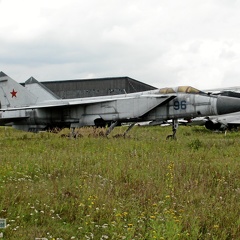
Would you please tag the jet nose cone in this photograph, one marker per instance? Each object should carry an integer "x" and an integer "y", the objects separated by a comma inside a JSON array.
[{"x": 227, "y": 105}]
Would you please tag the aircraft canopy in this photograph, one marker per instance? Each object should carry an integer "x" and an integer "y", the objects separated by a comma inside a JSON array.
[
  {"x": 166, "y": 90},
  {"x": 181, "y": 89}
]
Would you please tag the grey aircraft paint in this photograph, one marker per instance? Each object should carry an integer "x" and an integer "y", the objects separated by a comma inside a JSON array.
[{"x": 22, "y": 107}]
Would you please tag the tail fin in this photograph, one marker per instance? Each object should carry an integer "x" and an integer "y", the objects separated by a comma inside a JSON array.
[
  {"x": 13, "y": 94},
  {"x": 38, "y": 89}
]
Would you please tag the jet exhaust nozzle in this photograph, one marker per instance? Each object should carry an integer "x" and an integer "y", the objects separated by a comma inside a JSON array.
[{"x": 212, "y": 125}]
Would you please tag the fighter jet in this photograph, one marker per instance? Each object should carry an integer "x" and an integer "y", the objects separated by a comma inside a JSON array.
[
  {"x": 223, "y": 122},
  {"x": 22, "y": 109}
]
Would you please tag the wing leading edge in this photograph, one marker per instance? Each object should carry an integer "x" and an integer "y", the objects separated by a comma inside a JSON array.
[{"x": 87, "y": 101}]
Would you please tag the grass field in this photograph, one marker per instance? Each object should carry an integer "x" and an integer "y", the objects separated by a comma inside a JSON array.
[{"x": 141, "y": 187}]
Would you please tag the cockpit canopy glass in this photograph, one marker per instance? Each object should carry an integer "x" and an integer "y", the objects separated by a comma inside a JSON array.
[
  {"x": 166, "y": 90},
  {"x": 188, "y": 89},
  {"x": 181, "y": 89}
]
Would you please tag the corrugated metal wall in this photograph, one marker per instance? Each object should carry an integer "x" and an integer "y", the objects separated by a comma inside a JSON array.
[{"x": 96, "y": 87}]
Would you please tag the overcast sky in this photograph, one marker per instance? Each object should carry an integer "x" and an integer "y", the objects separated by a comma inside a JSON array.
[{"x": 160, "y": 42}]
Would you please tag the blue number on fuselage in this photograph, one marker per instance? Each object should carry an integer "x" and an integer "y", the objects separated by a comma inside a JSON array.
[{"x": 179, "y": 105}]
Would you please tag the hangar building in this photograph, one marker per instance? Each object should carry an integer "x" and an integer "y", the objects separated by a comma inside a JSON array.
[{"x": 95, "y": 87}]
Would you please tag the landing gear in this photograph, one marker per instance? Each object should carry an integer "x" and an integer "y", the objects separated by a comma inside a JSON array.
[
  {"x": 114, "y": 124},
  {"x": 128, "y": 129},
  {"x": 174, "y": 130},
  {"x": 73, "y": 133}
]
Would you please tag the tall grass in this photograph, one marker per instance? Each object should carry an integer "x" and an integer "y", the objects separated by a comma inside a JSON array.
[{"x": 138, "y": 187}]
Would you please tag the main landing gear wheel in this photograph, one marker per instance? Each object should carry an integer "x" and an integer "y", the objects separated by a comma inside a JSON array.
[{"x": 172, "y": 136}]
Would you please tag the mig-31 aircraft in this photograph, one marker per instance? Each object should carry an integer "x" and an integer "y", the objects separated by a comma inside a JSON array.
[
  {"x": 223, "y": 122},
  {"x": 24, "y": 108}
]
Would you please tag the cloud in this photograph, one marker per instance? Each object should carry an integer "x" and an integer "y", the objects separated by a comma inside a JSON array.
[{"x": 159, "y": 42}]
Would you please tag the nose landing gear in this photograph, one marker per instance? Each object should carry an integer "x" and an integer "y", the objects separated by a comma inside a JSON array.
[{"x": 174, "y": 130}]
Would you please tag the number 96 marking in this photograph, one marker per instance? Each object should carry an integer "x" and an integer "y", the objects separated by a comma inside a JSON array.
[{"x": 179, "y": 105}]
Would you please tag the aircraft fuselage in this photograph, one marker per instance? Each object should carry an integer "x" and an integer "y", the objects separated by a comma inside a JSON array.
[{"x": 139, "y": 108}]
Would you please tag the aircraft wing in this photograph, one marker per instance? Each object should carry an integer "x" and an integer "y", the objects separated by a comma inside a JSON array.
[
  {"x": 55, "y": 104},
  {"x": 5, "y": 121},
  {"x": 85, "y": 101},
  {"x": 35, "y": 106},
  {"x": 236, "y": 122}
]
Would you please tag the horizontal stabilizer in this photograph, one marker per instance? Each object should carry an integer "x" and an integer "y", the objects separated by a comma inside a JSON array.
[
  {"x": 4, "y": 121},
  {"x": 236, "y": 122}
]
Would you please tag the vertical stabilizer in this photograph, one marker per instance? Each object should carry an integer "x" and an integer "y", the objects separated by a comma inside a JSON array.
[
  {"x": 38, "y": 89},
  {"x": 13, "y": 94}
]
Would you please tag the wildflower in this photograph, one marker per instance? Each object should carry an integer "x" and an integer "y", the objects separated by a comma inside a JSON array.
[
  {"x": 104, "y": 237},
  {"x": 105, "y": 225},
  {"x": 152, "y": 217}
]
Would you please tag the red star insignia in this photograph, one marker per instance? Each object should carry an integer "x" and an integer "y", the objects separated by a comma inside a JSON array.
[{"x": 14, "y": 93}]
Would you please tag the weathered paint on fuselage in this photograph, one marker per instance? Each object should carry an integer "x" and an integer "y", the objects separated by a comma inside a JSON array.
[
  {"x": 24, "y": 110},
  {"x": 138, "y": 108},
  {"x": 184, "y": 106}
]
